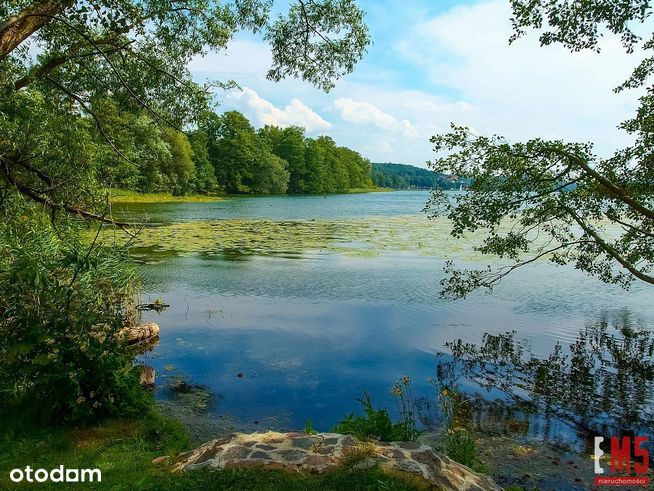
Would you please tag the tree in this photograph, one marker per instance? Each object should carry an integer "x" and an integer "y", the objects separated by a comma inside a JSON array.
[
  {"x": 136, "y": 53},
  {"x": 105, "y": 101},
  {"x": 204, "y": 180},
  {"x": 179, "y": 169},
  {"x": 231, "y": 149},
  {"x": 243, "y": 161},
  {"x": 289, "y": 145},
  {"x": 325, "y": 172},
  {"x": 552, "y": 199},
  {"x": 270, "y": 174},
  {"x": 359, "y": 170}
]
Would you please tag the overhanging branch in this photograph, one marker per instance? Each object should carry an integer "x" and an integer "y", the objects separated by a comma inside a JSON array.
[
  {"x": 610, "y": 250},
  {"x": 32, "y": 193}
]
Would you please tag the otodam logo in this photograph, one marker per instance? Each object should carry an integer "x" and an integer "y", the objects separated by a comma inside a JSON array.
[
  {"x": 58, "y": 474},
  {"x": 624, "y": 451}
]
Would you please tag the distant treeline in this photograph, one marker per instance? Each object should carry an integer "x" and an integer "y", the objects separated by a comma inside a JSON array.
[
  {"x": 402, "y": 176},
  {"x": 227, "y": 154}
]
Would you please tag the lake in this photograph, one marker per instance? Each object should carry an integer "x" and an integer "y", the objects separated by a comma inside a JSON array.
[{"x": 285, "y": 309}]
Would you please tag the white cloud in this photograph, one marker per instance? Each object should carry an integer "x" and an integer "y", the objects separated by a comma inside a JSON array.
[
  {"x": 523, "y": 90},
  {"x": 428, "y": 114},
  {"x": 381, "y": 148},
  {"x": 360, "y": 112},
  {"x": 453, "y": 66},
  {"x": 264, "y": 112}
]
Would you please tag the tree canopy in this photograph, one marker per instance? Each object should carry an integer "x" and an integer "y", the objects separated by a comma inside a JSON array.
[
  {"x": 554, "y": 199},
  {"x": 95, "y": 94},
  {"x": 403, "y": 176}
]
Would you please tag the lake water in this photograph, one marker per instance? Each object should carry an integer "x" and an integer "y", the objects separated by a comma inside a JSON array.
[{"x": 285, "y": 309}]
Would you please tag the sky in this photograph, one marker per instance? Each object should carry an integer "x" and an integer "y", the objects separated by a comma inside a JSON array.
[{"x": 433, "y": 63}]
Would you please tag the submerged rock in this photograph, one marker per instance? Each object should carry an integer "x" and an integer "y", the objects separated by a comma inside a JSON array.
[
  {"x": 300, "y": 452},
  {"x": 139, "y": 334}
]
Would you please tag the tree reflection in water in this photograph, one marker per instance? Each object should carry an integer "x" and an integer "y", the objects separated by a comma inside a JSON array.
[{"x": 603, "y": 384}]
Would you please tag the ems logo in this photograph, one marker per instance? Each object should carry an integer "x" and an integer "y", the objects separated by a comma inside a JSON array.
[{"x": 624, "y": 452}]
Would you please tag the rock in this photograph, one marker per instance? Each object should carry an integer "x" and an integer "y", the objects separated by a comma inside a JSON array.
[
  {"x": 263, "y": 446},
  {"x": 148, "y": 375},
  {"x": 291, "y": 455},
  {"x": 306, "y": 442},
  {"x": 160, "y": 460},
  {"x": 260, "y": 454},
  {"x": 139, "y": 334},
  {"x": 300, "y": 452}
]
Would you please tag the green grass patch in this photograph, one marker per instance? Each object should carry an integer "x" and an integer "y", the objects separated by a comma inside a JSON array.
[
  {"x": 376, "y": 424},
  {"x": 369, "y": 190},
  {"x": 127, "y": 196},
  {"x": 124, "y": 450}
]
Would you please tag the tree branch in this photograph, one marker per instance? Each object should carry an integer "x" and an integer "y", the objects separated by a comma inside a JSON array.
[
  {"x": 631, "y": 226},
  {"x": 504, "y": 271},
  {"x": 84, "y": 106},
  {"x": 113, "y": 67},
  {"x": 19, "y": 27},
  {"x": 45, "y": 68},
  {"x": 51, "y": 205},
  {"x": 608, "y": 249},
  {"x": 610, "y": 186}
]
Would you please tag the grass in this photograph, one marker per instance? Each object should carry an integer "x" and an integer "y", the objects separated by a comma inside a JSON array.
[
  {"x": 369, "y": 190},
  {"x": 124, "y": 450},
  {"x": 459, "y": 440},
  {"x": 376, "y": 423},
  {"x": 127, "y": 196}
]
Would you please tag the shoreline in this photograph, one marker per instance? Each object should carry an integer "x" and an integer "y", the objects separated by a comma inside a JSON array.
[{"x": 133, "y": 197}]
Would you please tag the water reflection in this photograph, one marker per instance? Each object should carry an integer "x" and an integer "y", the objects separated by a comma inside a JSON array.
[
  {"x": 602, "y": 384},
  {"x": 314, "y": 300}
]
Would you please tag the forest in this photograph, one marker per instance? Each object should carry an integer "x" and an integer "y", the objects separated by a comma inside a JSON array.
[
  {"x": 403, "y": 176},
  {"x": 227, "y": 154}
]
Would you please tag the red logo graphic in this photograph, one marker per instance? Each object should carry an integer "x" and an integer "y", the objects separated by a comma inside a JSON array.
[{"x": 625, "y": 451}]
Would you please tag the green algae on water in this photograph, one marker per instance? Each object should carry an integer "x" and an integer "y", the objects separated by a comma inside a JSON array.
[{"x": 236, "y": 239}]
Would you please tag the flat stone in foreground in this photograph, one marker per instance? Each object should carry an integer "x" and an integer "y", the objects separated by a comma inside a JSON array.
[{"x": 299, "y": 452}]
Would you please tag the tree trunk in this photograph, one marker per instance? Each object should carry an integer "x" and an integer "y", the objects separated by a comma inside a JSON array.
[{"x": 19, "y": 27}]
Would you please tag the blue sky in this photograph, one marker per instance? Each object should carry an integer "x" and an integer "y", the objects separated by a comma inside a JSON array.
[{"x": 433, "y": 63}]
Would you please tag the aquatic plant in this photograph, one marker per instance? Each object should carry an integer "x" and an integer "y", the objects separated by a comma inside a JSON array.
[
  {"x": 403, "y": 395},
  {"x": 195, "y": 398},
  {"x": 458, "y": 440},
  {"x": 309, "y": 429},
  {"x": 240, "y": 238},
  {"x": 377, "y": 424}
]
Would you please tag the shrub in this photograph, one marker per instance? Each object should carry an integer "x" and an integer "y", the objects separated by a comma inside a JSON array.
[
  {"x": 62, "y": 303},
  {"x": 377, "y": 424}
]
